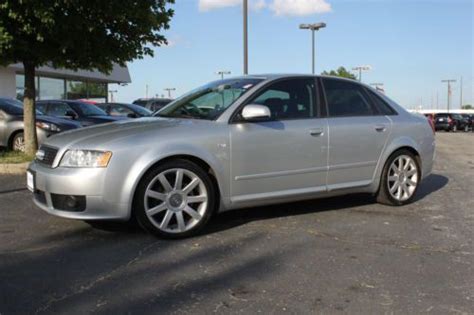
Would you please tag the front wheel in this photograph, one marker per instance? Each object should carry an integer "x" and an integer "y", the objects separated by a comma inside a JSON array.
[
  {"x": 400, "y": 179},
  {"x": 175, "y": 199},
  {"x": 18, "y": 142}
]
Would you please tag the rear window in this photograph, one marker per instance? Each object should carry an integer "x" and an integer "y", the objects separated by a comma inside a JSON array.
[{"x": 380, "y": 104}]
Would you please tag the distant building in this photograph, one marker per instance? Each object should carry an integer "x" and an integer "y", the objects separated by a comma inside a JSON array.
[{"x": 54, "y": 83}]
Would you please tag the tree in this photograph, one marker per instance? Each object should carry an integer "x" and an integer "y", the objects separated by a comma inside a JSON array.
[
  {"x": 76, "y": 34},
  {"x": 468, "y": 106},
  {"x": 340, "y": 72}
]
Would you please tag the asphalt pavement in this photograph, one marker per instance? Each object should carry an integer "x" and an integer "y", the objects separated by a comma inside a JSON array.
[{"x": 337, "y": 255}]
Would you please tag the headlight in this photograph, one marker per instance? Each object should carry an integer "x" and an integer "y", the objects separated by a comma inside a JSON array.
[
  {"x": 85, "y": 158},
  {"x": 48, "y": 126}
]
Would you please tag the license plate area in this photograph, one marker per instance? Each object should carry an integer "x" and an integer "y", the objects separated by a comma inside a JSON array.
[{"x": 30, "y": 181}]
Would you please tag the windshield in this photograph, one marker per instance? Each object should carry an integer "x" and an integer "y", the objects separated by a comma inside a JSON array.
[
  {"x": 87, "y": 109},
  {"x": 209, "y": 101},
  {"x": 141, "y": 110}
]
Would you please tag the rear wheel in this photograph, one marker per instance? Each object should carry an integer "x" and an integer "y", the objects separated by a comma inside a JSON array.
[
  {"x": 175, "y": 199},
  {"x": 400, "y": 179}
]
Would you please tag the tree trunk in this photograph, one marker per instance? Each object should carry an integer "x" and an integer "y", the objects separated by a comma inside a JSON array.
[{"x": 29, "y": 110}]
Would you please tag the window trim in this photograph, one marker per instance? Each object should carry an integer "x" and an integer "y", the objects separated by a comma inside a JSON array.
[
  {"x": 374, "y": 110},
  {"x": 234, "y": 120}
]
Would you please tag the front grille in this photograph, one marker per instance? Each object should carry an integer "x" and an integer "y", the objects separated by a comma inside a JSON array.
[{"x": 49, "y": 155}]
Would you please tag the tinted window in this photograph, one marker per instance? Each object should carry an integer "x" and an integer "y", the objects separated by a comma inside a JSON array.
[
  {"x": 58, "y": 109},
  {"x": 288, "y": 99},
  {"x": 345, "y": 98},
  {"x": 118, "y": 110},
  {"x": 41, "y": 107},
  {"x": 382, "y": 107}
]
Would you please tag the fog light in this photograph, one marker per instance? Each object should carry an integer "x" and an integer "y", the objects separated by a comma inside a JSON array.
[{"x": 71, "y": 202}]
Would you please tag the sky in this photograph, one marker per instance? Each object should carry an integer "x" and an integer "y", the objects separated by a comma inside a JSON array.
[{"x": 411, "y": 46}]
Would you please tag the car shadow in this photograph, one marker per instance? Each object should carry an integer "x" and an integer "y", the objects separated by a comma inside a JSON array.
[{"x": 234, "y": 218}]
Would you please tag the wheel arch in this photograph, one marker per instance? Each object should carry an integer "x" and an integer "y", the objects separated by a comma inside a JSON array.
[{"x": 207, "y": 165}]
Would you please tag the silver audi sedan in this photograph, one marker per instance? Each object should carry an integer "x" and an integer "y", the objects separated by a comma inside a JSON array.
[{"x": 240, "y": 142}]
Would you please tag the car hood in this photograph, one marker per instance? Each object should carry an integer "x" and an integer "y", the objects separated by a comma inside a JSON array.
[
  {"x": 127, "y": 133},
  {"x": 60, "y": 122}
]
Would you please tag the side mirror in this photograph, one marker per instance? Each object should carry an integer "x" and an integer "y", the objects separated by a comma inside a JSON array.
[
  {"x": 71, "y": 114},
  {"x": 254, "y": 112}
]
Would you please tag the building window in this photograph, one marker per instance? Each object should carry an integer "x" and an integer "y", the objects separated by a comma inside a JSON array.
[
  {"x": 51, "y": 89},
  {"x": 20, "y": 86},
  {"x": 97, "y": 91},
  {"x": 76, "y": 90}
]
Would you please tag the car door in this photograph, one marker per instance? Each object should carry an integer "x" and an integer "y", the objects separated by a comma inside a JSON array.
[
  {"x": 286, "y": 155},
  {"x": 357, "y": 134}
]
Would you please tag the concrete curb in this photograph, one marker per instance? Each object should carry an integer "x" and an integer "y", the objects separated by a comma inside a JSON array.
[{"x": 14, "y": 168}]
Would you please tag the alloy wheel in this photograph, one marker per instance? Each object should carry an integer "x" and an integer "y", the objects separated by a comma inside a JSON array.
[
  {"x": 402, "y": 177},
  {"x": 19, "y": 143},
  {"x": 176, "y": 200}
]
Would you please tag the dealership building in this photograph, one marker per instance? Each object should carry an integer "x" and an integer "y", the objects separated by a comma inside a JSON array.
[{"x": 54, "y": 83}]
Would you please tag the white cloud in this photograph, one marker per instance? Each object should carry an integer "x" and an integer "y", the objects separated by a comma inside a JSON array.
[
  {"x": 258, "y": 5},
  {"x": 299, "y": 7},
  {"x": 207, "y": 5}
]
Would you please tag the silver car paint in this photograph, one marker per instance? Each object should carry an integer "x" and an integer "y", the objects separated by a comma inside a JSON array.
[{"x": 254, "y": 163}]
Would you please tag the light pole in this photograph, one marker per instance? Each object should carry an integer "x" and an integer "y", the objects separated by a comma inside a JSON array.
[
  {"x": 112, "y": 92},
  {"x": 312, "y": 27},
  {"x": 245, "y": 24},
  {"x": 169, "y": 91},
  {"x": 360, "y": 69},
  {"x": 222, "y": 73},
  {"x": 449, "y": 90}
]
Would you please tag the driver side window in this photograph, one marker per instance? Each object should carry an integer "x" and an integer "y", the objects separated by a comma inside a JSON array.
[{"x": 289, "y": 99}]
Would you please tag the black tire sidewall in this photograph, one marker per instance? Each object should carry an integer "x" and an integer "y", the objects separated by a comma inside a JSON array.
[
  {"x": 139, "y": 207},
  {"x": 384, "y": 178}
]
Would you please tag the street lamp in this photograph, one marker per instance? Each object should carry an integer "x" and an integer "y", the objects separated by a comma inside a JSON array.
[
  {"x": 222, "y": 73},
  {"x": 378, "y": 86},
  {"x": 360, "y": 69},
  {"x": 245, "y": 31},
  {"x": 313, "y": 27},
  {"x": 449, "y": 90},
  {"x": 169, "y": 91}
]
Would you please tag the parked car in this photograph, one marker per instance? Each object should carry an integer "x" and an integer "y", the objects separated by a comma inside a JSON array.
[
  {"x": 450, "y": 122},
  {"x": 11, "y": 125},
  {"x": 265, "y": 140},
  {"x": 125, "y": 110},
  {"x": 469, "y": 119},
  {"x": 84, "y": 113},
  {"x": 431, "y": 120},
  {"x": 153, "y": 104}
]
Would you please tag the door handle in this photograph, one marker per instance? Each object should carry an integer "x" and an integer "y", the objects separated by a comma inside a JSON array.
[
  {"x": 316, "y": 132},
  {"x": 380, "y": 128}
]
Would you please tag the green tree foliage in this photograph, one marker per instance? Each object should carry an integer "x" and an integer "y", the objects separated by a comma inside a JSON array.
[
  {"x": 468, "y": 106},
  {"x": 77, "y": 34},
  {"x": 340, "y": 72}
]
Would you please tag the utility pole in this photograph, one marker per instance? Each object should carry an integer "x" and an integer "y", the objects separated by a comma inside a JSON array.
[
  {"x": 112, "y": 92},
  {"x": 460, "y": 97},
  {"x": 146, "y": 91},
  {"x": 360, "y": 69},
  {"x": 245, "y": 22},
  {"x": 313, "y": 28},
  {"x": 222, "y": 73},
  {"x": 169, "y": 91},
  {"x": 449, "y": 90}
]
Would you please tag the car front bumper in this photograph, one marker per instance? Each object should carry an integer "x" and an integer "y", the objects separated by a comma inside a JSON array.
[{"x": 52, "y": 184}]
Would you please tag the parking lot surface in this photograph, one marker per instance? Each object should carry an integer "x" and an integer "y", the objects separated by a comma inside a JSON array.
[{"x": 338, "y": 255}]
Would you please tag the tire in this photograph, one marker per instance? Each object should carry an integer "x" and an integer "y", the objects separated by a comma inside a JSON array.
[
  {"x": 18, "y": 142},
  {"x": 162, "y": 202},
  {"x": 393, "y": 174}
]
